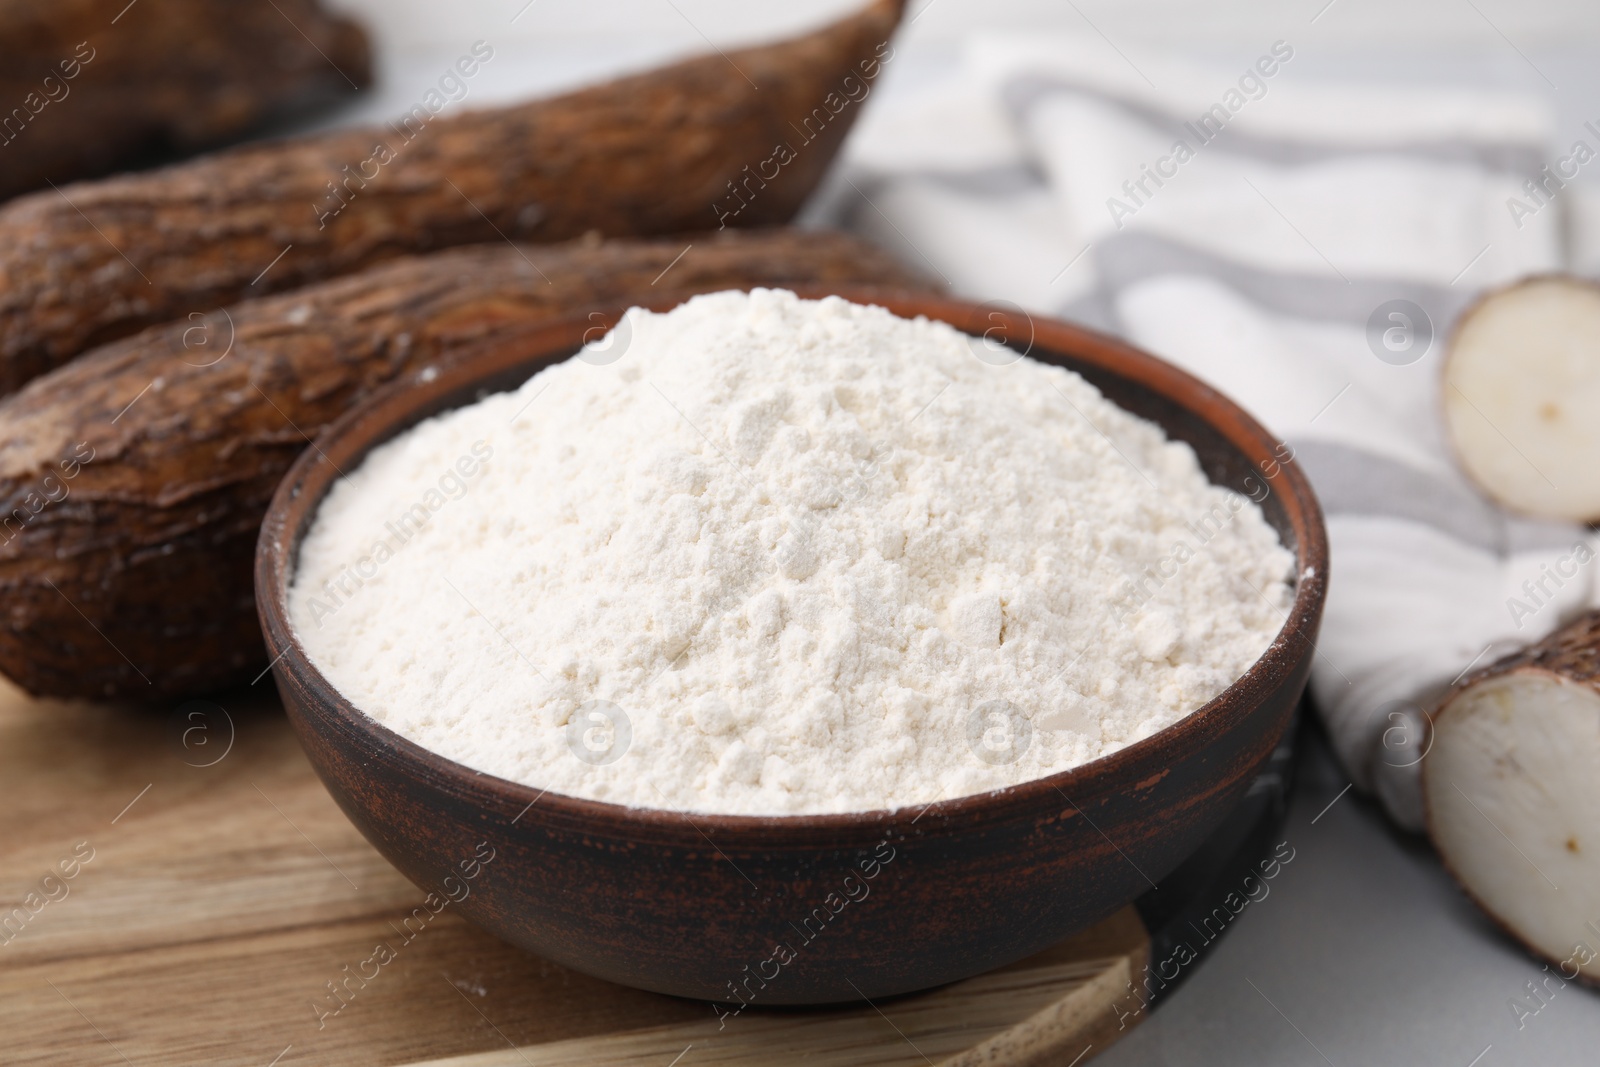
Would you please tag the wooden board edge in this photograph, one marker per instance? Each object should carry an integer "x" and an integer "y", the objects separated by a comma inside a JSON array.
[
  {"x": 1072, "y": 1029},
  {"x": 1082, "y": 1022}
]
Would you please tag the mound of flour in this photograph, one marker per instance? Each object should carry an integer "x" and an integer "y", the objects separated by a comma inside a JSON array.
[{"x": 768, "y": 555}]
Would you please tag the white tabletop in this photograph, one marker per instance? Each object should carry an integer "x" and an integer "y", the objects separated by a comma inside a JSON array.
[{"x": 1363, "y": 952}]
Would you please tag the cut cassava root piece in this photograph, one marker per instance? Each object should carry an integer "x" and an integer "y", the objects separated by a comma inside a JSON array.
[
  {"x": 90, "y": 85},
  {"x": 133, "y": 479},
  {"x": 1513, "y": 796},
  {"x": 649, "y": 154},
  {"x": 1521, "y": 393}
]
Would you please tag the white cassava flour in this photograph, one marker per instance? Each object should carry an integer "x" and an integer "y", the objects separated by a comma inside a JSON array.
[{"x": 766, "y": 555}]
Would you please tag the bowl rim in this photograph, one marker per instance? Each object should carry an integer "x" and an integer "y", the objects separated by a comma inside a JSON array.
[{"x": 393, "y": 408}]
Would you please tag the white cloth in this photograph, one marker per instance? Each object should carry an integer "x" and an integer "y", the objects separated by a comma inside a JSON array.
[{"x": 1256, "y": 264}]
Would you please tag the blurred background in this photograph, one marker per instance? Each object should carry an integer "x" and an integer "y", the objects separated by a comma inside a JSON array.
[{"x": 1544, "y": 49}]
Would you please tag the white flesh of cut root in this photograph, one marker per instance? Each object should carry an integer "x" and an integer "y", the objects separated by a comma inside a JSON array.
[
  {"x": 1512, "y": 784},
  {"x": 1522, "y": 396}
]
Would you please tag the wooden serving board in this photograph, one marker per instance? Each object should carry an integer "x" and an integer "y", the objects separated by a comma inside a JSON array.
[{"x": 215, "y": 890}]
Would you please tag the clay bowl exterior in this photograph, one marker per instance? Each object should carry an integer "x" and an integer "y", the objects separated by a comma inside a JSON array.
[{"x": 806, "y": 909}]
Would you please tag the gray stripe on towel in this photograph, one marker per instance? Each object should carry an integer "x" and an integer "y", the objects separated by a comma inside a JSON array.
[
  {"x": 1349, "y": 481},
  {"x": 1001, "y": 180},
  {"x": 1126, "y": 258},
  {"x": 1024, "y": 92}
]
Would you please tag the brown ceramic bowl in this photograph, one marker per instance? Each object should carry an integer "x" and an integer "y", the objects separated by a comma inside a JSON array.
[{"x": 823, "y": 908}]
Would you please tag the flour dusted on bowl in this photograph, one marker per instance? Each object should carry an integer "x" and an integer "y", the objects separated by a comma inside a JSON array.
[{"x": 764, "y": 555}]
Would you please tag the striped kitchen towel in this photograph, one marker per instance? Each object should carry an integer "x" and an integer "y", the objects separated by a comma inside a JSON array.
[{"x": 1304, "y": 246}]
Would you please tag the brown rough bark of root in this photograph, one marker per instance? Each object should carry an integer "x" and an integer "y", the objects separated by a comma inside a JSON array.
[
  {"x": 176, "y": 76},
  {"x": 648, "y": 154}
]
